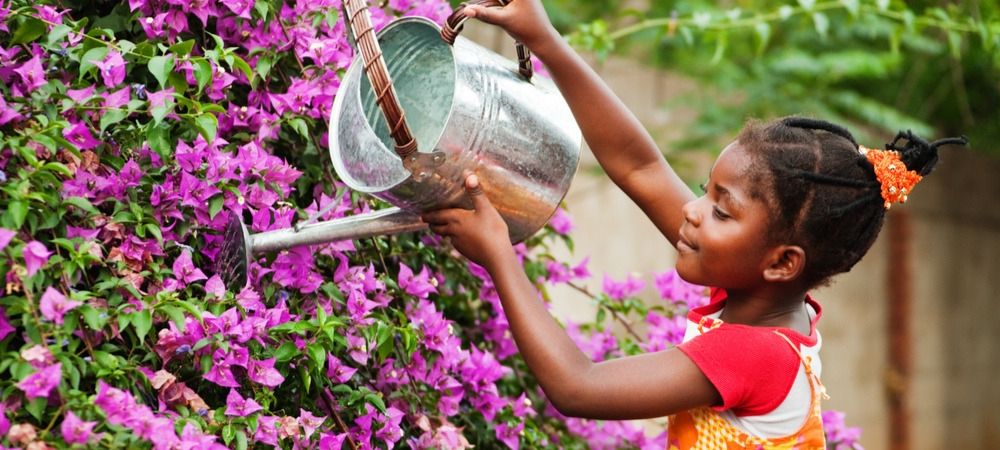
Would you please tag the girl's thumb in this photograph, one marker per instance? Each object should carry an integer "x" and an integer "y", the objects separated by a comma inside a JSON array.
[{"x": 475, "y": 191}]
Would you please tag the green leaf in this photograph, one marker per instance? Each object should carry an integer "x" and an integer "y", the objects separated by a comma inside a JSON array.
[
  {"x": 376, "y": 401},
  {"x": 262, "y": 7},
  {"x": 81, "y": 203},
  {"x": 763, "y": 32},
  {"x": 237, "y": 63},
  {"x": 720, "y": 47},
  {"x": 142, "y": 321},
  {"x": 207, "y": 125},
  {"x": 92, "y": 55},
  {"x": 215, "y": 205},
  {"x": 37, "y": 407},
  {"x": 241, "y": 440},
  {"x": 202, "y": 73},
  {"x": 228, "y": 433},
  {"x": 182, "y": 48},
  {"x": 263, "y": 68},
  {"x": 29, "y": 30},
  {"x": 160, "y": 67},
  {"x": 111, "y": 117},
  {"x": 95, "y": 318},
  {"x": 57, "y": 33},
  {"x": 852, "y": 6},
  {"x": 807, "y": 4},
  {"x": 17, "y": 210},
  {"x": 286, "y": 352},
  {"x": 955, "y": 44},
  {"x": 176, "y": 315},
  {"x": 105, "y": 359},
  {"x": 158, "y": 137},
  {"x": 822, "y": 24},
  {"x": 882, "y": 5},
  {"x": 317, "y": 354},
  {"x": 300, "y": 127}
]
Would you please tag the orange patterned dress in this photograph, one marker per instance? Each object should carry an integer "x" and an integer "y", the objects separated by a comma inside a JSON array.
[{"x": 704, "y": 429}]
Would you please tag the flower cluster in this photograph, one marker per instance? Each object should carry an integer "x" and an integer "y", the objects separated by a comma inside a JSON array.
[{"x": 129, "y": 137}]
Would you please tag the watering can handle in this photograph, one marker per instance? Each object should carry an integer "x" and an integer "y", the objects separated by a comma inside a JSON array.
[
  {"x": 360, "y": 25},
  {"x": 457, "y": 19}
]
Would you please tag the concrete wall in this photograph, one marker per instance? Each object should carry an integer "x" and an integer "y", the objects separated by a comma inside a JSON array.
[{"x": 956, "y": 261}]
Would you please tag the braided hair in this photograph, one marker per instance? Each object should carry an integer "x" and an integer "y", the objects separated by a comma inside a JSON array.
[{"x": 825, "y": 192}]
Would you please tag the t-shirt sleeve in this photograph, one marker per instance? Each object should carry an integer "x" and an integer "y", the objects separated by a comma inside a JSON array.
[{"x": 753, "y": 370}]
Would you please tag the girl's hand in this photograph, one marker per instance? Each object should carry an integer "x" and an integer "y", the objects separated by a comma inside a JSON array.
[
  {"x": 480, "y": 234},
  {"x": 524, "y": 20}
]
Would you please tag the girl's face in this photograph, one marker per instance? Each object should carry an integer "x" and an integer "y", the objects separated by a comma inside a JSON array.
[{"x": 723, "y": 238}]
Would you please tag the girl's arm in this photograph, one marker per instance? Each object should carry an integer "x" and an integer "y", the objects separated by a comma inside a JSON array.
[
  {"x": 650, "y": 385},
  {"x": 621, "y": 144}
]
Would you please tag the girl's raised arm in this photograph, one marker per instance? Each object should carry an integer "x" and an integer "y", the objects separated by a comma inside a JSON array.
[{"x": 621, "y": 144}]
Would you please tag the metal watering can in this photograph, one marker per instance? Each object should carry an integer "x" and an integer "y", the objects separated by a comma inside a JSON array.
[{"x": 470, "y": 111}]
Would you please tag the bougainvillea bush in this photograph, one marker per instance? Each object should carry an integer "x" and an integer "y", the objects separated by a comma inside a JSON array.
[{"x": 129, "y": 135}]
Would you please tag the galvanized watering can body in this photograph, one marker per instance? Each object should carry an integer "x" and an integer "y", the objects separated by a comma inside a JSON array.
[{"x": 470, "y": 111}]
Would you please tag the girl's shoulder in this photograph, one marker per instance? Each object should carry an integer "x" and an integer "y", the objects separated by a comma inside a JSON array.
[{"x": 753, "y": 368}]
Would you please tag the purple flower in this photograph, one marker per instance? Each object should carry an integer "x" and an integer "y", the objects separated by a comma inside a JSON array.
[
  {"x": 419, "y": 286},
  {"x": 561, "y": 222},
  {"x": 838, "y": 435},
  {"x": 238, "y": 406},
  {"x": 40, "y": 383},
  {"x": 239, "y": 7},
  {"x": 215, "y": 286},
  {"x": 663, "y": 331},
  {"x": 118, "y": 98},
  {"x": 5, "y": 235},
  {"x": 7, "y": 114},
  {"x": 672, "y": 287},
  {"x": 35, "y": 256},
  {"x": 32, "y": 73},
  {"x": 4, "y": 422},
  {"x": 621, "y": 290},
  {"x": 263, "y": 372},
  {"x": 112, "y": 68},
  {"x": 221, "y": 372},
  {"x": 5, "y": 327},
  {"x": 185, "y": 271},
  {"x": 329, "y": 441},
  {"x": 310, "y": 422},
  {"x": 79, "y": 134},
  {"x": 54, "y": 305},
  {"x": 511, "y": 436},
  {"x": 38, "y": 356},
  {"x": 81, "y": 95},
  {"x": 76, "y": 431},
  {"x": 335, "y": 369},
  {"x": 267, "y": 432}
]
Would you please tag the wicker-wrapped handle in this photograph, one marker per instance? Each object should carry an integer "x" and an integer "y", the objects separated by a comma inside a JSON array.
[
  {"x": 360, "y": 24},
  {"x": 457, "y": 19}
]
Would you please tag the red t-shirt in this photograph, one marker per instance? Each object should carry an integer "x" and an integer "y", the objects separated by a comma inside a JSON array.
[{"x": 752, "y": 367}]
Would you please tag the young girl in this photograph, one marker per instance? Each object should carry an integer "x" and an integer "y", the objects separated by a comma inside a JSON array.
[{"x": 787, "y": 205}]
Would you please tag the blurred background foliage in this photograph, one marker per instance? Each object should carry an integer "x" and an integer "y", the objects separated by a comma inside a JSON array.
[{"x": 876, "y": 66}]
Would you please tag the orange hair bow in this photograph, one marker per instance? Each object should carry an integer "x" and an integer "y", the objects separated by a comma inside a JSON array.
[{"x": 896, "y": 180}]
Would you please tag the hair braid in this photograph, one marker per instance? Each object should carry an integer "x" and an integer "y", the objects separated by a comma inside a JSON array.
[{"x": 814, "y": 174}]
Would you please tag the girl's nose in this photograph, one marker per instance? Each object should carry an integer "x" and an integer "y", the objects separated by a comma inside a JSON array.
[{"x": 690, "y": 212}]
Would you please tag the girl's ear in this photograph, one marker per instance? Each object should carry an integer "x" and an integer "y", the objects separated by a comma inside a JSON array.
[{"x": 786, "y": 263}]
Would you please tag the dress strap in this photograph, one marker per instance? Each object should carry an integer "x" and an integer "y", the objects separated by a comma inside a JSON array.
[{"x": 807, "y": 363}]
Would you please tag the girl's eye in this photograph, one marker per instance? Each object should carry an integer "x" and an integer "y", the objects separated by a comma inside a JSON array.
[{"x": 719, "y": 214}]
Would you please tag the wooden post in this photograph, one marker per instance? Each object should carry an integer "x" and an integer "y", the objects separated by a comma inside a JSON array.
[{"x": 900, "y": 316}]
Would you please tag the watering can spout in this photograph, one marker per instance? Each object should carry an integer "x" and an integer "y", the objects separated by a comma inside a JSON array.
[{"x": 239, "y": 245}]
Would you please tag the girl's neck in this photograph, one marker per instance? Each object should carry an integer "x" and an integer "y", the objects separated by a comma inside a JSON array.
[{"x": 768, "y": 309}]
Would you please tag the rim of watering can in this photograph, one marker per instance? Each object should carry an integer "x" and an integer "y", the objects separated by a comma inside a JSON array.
[{"x": 353, "y": 70}]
